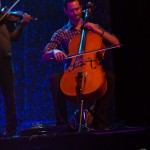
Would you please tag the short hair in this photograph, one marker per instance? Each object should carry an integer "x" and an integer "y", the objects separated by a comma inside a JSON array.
[{"x": 66, "y": 1}]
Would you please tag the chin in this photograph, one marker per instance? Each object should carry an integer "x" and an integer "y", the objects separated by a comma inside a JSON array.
[{"x": 76, "y": 19}]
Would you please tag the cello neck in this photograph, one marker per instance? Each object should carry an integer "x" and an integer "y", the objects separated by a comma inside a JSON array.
[
  {"x": 82, "y": 41},
  {"x": 83, "y": 33}
]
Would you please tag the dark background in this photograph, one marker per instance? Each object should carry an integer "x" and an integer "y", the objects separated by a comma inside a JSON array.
[{"x": 128, "y": 20}]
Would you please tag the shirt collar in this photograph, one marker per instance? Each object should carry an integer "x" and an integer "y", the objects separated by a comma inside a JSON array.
[{"x": 70, "y": 26}]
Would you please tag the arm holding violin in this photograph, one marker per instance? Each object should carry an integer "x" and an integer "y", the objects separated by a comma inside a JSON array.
[
  {"x": 16, "y": 34},
  {"x": 15, "y": 18}
]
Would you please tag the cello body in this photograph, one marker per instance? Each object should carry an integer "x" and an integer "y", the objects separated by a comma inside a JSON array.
[{"x": 85, "y": 69}]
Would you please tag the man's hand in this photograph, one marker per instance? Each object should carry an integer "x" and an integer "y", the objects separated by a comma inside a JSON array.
[
  {"x": 59, "y": 55},
  {"x": 92, "y": 27},
  {"x": 26, "y": 18}
]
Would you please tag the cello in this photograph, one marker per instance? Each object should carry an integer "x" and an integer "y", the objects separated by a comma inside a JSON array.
[{"x": 85, "y": 77}]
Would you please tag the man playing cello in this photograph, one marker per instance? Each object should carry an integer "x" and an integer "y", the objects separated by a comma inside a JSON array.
[{"x": 57, "y": 49}]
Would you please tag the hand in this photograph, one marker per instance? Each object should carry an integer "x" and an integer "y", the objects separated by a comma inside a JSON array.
[
  {"x": 26, "y": 18},
  {"x": 59, "y": 55},
  {"x": 92, "y": 27}
]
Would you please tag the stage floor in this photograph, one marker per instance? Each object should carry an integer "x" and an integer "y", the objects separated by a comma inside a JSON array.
[{"x": 52, "y": 138}]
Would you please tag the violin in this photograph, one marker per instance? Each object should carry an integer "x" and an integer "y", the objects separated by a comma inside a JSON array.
[{"x": 13, "y": 16}]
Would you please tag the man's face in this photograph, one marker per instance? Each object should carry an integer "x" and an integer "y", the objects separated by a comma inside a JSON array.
[{"x": 73, "y": 11}]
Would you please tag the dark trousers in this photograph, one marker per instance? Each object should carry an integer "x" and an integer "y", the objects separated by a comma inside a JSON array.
[
  {"x": 100, "y": 116},
  {"x": 104, "y": 112},
  {"x": 59, "y": 100},
  {"x": 7, "y": 88}
]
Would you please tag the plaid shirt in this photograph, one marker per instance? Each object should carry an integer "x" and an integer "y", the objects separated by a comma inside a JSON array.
[{"x": 61, "y": 38}]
